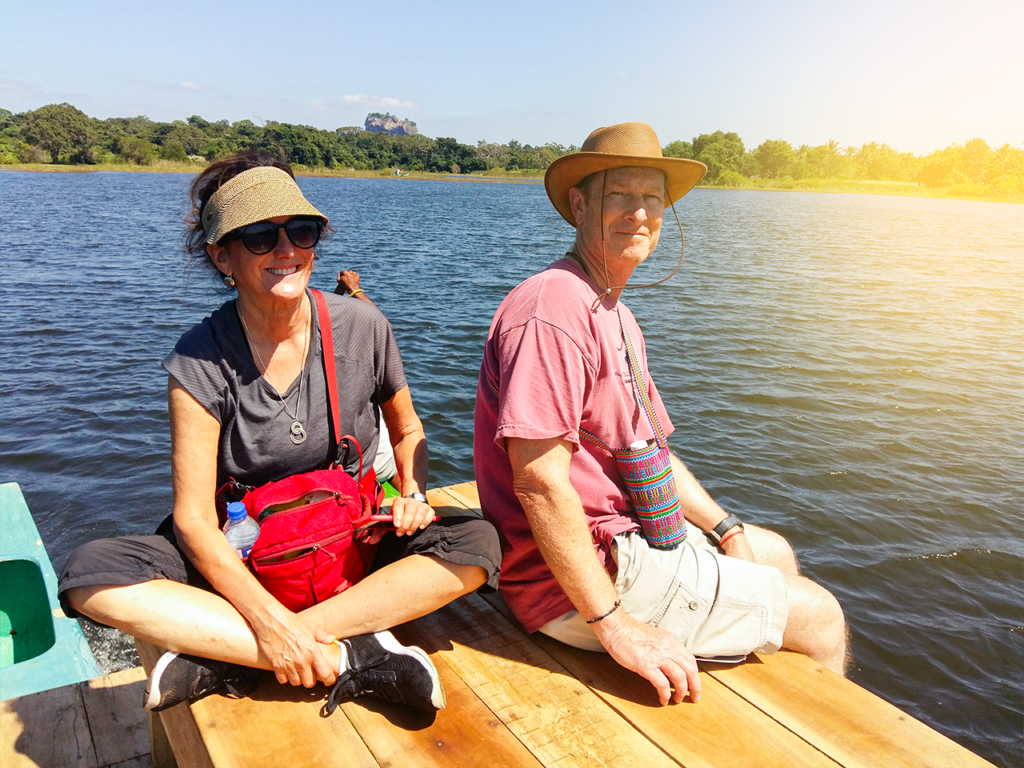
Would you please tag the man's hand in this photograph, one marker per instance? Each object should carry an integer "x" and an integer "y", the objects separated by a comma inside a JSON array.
[{"x": 654, "y": 654}]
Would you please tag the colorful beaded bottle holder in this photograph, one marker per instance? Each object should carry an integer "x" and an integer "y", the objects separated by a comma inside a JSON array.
[{"x": 646, "y": 469}]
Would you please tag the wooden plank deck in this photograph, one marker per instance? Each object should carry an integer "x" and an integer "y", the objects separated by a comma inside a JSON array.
[
  {"x": 95, "y": 724},
  {"x": 526, "y": 700}
]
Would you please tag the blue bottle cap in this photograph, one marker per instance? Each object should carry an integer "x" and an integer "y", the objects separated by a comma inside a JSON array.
[{"x": 237, "y": 511}]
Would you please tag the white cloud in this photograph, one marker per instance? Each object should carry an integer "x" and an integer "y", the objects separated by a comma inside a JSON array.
[
  {"x": 14, "y": 89},
  {"x": 377, "y": 101},
  {"x": 184, "y": 85}
]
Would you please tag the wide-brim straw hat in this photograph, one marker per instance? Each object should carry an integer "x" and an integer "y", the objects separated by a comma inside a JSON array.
[
  {"x": 254, "y": 195},
  {"x": 618, "y": 146}
]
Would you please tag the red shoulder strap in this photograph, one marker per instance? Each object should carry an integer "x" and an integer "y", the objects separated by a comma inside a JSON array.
[
  {"x": 368, "y": 482},
  {"x": 330, "y": 369}
]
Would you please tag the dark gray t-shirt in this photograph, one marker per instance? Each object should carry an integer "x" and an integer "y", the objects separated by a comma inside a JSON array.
[{"x": 213, "y": 363}]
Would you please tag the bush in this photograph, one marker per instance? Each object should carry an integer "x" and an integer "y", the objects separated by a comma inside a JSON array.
[
  {"x": 173, "y": 149},
  {"x": 30, "y": 154},
  {"x": 8, "y": 152},
  {"x": 136, "y": 150},
  {"x": 731, "y": 179}
]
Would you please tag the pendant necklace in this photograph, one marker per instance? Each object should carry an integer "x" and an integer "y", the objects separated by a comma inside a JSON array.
[{"x": 297, "y": 433}]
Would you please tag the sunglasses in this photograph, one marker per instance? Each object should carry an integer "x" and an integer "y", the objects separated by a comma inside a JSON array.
[{"x": 262, "y": 237}]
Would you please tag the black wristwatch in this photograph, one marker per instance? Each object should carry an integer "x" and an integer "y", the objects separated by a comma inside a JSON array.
[
  {"x": 723, "y": 528},
  {"x": 417, "y": 496}
]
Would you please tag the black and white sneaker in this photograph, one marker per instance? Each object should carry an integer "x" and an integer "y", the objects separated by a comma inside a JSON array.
[
  {"x": 177, "y": 678},
  {"x": 378, "y": 665}
]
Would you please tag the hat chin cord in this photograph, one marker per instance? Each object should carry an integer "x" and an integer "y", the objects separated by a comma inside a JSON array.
[{"x": 604, "y": 256}]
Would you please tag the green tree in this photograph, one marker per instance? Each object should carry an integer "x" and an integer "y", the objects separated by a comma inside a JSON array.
[
  {"x": 135, "y": 149},
  {"x": 977, "y": 157},
  {"x": 824, "y": 162},
  {"x": 719, "y": 152},
  {"x": 59, "y": 129},
  {"x": 494, "y": 155},
  {"x": 172, "y": 149},
  {"x": 683, "y": 149},
  {"x": 774, "y": 158},
  {"x": 198, "y": 122},
  {"x": 297, "y": 141},
  {"x": 447, "y": 153},
  {"x": 191, "y": 139},
  {"x": 934, "y": 174}
]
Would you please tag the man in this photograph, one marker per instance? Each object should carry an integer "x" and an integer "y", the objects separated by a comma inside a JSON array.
[{"x": 556, "y": 395}]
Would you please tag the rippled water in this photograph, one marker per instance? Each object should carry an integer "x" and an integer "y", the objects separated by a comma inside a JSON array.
[{"x": 846, "y": 369}]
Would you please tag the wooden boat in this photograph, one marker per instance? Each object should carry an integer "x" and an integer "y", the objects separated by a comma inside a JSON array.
[
  {"x": 40, "y": 648},
  {"x": 525, "y": 700},
  {"x": 513, "y": 700}
]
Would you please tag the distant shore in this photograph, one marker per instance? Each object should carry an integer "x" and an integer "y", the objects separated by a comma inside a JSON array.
[{"x": 835, "y": 186}]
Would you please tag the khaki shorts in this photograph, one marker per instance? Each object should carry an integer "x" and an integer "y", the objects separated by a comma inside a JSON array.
[{"x": 721, "y": 607}]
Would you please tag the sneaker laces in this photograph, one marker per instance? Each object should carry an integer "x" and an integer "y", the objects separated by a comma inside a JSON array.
[
  {"x": 240, "y": 685},
  {"x": 350, "y": 682}
]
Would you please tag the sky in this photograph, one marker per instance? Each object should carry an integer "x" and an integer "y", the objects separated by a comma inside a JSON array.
[{"x": 917, "y": 75}]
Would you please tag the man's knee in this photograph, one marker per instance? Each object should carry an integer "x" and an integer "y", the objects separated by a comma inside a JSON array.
[
  {"x": 816, "y": 625},
  {"x": 772, "y": 549}
]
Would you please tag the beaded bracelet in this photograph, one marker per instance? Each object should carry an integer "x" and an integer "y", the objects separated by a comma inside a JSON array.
[{"x": 605, "y": 615}]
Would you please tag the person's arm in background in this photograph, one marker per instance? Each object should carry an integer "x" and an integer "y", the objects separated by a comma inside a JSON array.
[{"x": 348, "y": 282}]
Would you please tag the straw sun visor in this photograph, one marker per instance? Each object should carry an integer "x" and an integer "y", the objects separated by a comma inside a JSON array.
[
  {"x": 254, "y": 195},
  {"x": 618, "y": 146}
]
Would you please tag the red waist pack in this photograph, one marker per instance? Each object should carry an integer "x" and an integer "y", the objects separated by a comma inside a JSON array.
[{"x": 310, "y": 547}]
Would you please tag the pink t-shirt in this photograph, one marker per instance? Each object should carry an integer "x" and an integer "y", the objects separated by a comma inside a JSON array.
[{"x": 554, "y": 369}]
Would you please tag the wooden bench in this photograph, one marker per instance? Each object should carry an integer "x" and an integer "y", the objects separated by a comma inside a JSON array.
[{"x": 525, "y": 700}]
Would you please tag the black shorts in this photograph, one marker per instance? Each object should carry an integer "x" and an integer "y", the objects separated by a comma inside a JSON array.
[{"x": 138, "y": 559}]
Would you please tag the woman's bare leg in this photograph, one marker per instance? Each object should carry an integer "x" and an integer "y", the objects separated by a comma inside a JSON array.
[
  {"x": 179, "y": 618},
  {"x": 194, "y": 621},
  {"x": 402, "y": 591}
]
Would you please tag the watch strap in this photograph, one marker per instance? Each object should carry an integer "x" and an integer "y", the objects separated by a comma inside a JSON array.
[
  {"x": 417, "y": 496},
  {"x": 723, "y": 528}
]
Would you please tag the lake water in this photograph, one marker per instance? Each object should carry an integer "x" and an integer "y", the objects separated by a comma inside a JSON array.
[{"x": 846, "y": 369}]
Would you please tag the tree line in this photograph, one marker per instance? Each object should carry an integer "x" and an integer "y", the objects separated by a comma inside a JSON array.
[
  {"x": 60, "y": 133},
  {"x": 973, "y": 163}
]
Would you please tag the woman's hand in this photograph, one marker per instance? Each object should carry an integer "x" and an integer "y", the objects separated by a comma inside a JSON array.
[
  {"x": 292, "y": 645},
  {"x": 410, "y": 516}
]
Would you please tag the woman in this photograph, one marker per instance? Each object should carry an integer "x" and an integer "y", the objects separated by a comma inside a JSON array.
[{"x": 247, "y": 400}]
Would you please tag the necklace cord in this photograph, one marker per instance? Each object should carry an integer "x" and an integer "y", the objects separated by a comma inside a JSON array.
[{"x": 297, "y": 431}]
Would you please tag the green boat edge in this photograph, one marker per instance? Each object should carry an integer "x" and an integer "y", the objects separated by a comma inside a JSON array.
[{"x": 27, "y": 575}]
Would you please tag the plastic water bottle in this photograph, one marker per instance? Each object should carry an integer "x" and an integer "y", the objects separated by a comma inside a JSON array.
[{"x": 240, "y": 529}]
